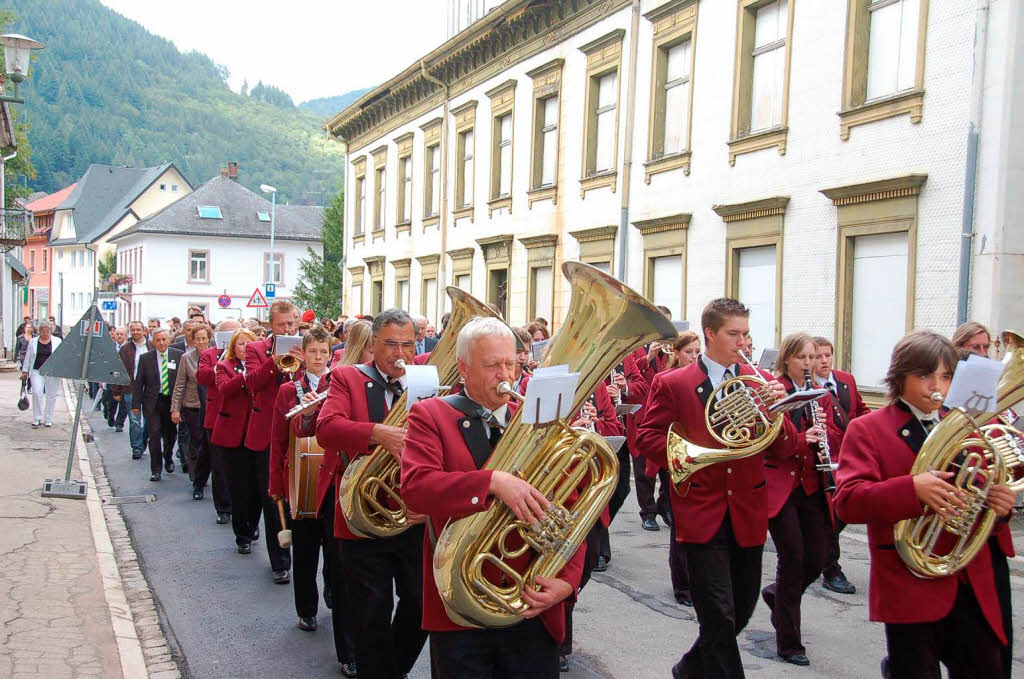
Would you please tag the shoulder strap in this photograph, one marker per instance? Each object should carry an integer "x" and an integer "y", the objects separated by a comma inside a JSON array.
[{"x": 463, "y": 404}]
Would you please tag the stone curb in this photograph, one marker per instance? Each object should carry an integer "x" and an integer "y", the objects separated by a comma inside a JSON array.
[{"x": 143, "y": 648}]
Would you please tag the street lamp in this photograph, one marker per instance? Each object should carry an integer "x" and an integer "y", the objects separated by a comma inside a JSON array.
[
  {"x": 266, "y": 188},
  {"x": 17, "y": 53}
]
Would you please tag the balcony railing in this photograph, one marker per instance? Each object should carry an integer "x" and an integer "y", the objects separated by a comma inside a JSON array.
[{"x": 14, "y": 227}]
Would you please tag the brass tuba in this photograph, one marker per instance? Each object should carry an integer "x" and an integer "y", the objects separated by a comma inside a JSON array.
[
  {"x": 739, "y": 421},
  {"x": 980, "y": 455},
  {"x": 369, "y": 489},
  {"x": 575, "y": 470}
]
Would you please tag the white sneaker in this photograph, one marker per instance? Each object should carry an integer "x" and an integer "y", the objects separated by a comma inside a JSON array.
[
  {"x": 49, "y": 424},
  {"x": 36, "y": 423}
]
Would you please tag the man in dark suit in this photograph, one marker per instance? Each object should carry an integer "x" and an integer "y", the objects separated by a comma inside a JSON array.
[
  {"x": 424, "y": 344},
  {"x": 130, "y": 354},
  {"x": 158, "y": 369}
]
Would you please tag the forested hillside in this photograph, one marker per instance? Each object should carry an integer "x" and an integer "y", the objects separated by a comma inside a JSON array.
[
  {"x": 326, "y": 107},
  {"x": 105, "y": 90}
]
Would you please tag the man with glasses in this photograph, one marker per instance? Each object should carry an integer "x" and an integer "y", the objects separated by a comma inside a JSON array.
[{"x": 349, "y": 425}]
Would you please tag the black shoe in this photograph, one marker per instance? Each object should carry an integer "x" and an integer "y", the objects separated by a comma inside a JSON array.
[
  {"x": 169, "y": 466},
  {"x": 885, "y": 668},
  {"x": 281, "y": 577},
  {"x": 348, "y": 669},
  {"x": 110, "y": 424},
  {"x": 677, "y": 670},
  {"x": 563, "y": 663},
  {"x": 256, "y": 534},
  {"x": 328, "y": 597},
  {"x": 223, "y": 518},
  {"x": 667, "y": 519},
  {"x": 307, "y": 624},
  {"x": 838, "y": 584},
  {"x": 650, "y": 524},
  {"x": 184, "y": 467},
  {"x": 118, "y": 430},
  {"x": 602, "y": 565},
  {"x": 684, "y": 600},
  {"x": 197, "y": 493},
  {"x": 797, "y": 659},
  {"x": 155, "y": 476},
  {"x": 136, "y": 454},
  {"x": 244, "y": 548}
]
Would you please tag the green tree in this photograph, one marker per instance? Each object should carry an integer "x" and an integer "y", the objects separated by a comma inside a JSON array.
[
  {"x": 320, "y": 281},
  {"x": 106, "y": 266}
]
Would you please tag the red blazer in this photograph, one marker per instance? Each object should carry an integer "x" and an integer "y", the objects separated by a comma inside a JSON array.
[
  {"x": 302, "y": 427},
  {"x": 440, "y": 478},
  {"x": 848, "y": 396},
  {"x": 638, "y": 387},
  {"x": 794, "y": 465},
  {"x": 874, "y": 486},
  {"x": 343, "y": 429},
  {"x": 607, "y": 423},
  {"x": 678, "y": 397},
  {"x": 206, "y": 375},
  {"x": 336, "y": 357},
  {"x": 421, "y": 359},
  {"x": 652, "y": 368},
  {"x": 235, "y": 405},
  {"x": 263, "y": 379}
]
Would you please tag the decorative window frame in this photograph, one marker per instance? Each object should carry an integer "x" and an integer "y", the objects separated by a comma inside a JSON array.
[
  {"x": 462, "y": 263},
  {"x": 674, "y": 23},
  {"x": 503, "y": 100},
  {"x": 664, "y": 237},
  {"x": 750, "y": 225},
  {"x": 375, "y": 265},
  {"x": 431, "y": 139},
  {"x": 597, "y": 245},
  {"x": 877, "y": 207},
  {"x": 190, "y": 280},
  {"x": 856, "y": 109},
  {"x": 358, "y": 205},
  {"x": 465, "y": 121},
  {"x": 741, "y": 140},
  {"x": 547, "y": 83},
  {"x": 604, "y": 55},
  {"x": 541, "y": 251},
  {"x": 403, "y": 222}
]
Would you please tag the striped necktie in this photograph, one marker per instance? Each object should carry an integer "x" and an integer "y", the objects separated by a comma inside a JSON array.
[{"x": 165, "y": 386}]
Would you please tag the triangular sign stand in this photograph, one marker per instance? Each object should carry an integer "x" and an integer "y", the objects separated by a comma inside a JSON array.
[{"x": 87, "y": 354}]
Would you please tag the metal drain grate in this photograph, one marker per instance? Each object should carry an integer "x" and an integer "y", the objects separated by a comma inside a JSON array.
[{"x": 129, "y": 499}]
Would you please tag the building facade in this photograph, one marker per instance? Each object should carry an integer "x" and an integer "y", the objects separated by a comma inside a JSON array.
[
  {"x": 213, "y": 242},
  {"x": 36, "y": 255},
  {"x": 817, "y": 164}
]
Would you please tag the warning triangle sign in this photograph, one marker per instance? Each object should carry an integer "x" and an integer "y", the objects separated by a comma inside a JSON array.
[
  {"x": 87, "y": 353},
  {"x": 257, "y": 301}
]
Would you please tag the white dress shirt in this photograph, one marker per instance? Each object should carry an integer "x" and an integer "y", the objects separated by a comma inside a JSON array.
[
  {"x": 389, "y": 396},
  {"x": 716, "y": 371}
]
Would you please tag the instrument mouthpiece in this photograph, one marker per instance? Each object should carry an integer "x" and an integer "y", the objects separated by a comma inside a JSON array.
[
  {"x": 504, "y": 388},
  {"x": 400, "y": 364},
  {"x": 937, "y": 397}
]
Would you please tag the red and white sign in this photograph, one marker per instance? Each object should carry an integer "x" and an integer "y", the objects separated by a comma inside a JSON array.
[{"x": 257, "y": 301}]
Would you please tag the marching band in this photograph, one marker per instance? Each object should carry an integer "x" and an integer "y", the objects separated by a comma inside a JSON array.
[{"x": 487, "y": 550}]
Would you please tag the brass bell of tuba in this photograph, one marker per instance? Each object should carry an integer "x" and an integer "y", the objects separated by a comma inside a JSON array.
[
  {"x": 981, "y": 455},
  {"x": 739, "y": 421},
  {"x": 576, "y": 470},
  {"x": 368, "y": 492}
]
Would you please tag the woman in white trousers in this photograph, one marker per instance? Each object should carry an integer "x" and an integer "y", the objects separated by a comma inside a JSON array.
[{"x": 39, "y": 350}]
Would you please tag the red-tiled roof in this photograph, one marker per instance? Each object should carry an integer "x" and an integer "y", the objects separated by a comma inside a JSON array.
[{"x": 51, "y": 201}]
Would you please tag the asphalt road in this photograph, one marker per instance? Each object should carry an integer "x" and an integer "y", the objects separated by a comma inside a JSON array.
[{"x": 225, "y": 618}]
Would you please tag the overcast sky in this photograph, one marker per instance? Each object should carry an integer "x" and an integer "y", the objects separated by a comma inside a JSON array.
[{"x": 308, "y": 48}]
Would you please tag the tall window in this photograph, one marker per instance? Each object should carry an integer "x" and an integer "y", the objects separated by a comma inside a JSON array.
[
  {"x": 674, "y": 93},
  {"x": 542, "y": 289},
  {"x": 756, "y": 283},
  {"x": 379, "y": 200},
  {"x": 462, "y": 282},
  {"x": 273, "y": 270},
  {"x": 502, "y": 157},
  {"x": 45, "y": 257},
  {"x": 404, "y": 189},
  {"x": 356, "y": 299},
  {"x": 769, "y": 71},
  {"x": 429, "y": 301},
  {"x": 198, "y": 266},
  {"x": 464, "y": 171},
  {"x": 892, "y": 46},
  {"x": 360, "y": 206},
  {"x": 879, "y": 301},
  {"x": 497, "y": 290},
  {"x": 32, "y": 260},
  {"x": 604, "y": 100},
  {"x": 545, "y": 166},
  {"x": 666, "y": 283},
  {"x": 402, "y": 294},
  {"x": 432, "y": 188}
]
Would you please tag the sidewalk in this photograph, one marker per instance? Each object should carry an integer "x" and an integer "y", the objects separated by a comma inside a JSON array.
[{"x": 55, "y": 615}]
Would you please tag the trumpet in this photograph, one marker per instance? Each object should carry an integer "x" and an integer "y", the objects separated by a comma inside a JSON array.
[{"x": 289, "y": 364}]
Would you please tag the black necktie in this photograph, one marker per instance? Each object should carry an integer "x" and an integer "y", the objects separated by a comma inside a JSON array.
[
  {"x": 495, "y": 427},
  {"x": 395, "y": 387},
  {"x": 928, "y": 425}
]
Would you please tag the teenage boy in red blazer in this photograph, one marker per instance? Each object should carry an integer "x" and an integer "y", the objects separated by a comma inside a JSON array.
[
  {"x": 720, "y": 511},
  {"x": 955, "y": 620},
  {"x": 449, "y": 441},
  {"x": 349, "y": 425}
]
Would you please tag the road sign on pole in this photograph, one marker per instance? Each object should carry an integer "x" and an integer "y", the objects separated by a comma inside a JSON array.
[
  {"x": 109, "y": 304},
  {"x": 224, "y": 301},
  {"x": 257, "y": 300},
  {"x": 271, "y": 290}
]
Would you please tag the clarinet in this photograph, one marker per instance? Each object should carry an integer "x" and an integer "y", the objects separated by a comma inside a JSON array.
[{"x": 826, "y": 467}]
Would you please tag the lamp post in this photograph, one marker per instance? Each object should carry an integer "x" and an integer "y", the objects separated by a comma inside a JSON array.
[
  {"x": 266, "y": 188},
  {"x": 17, "y": 53}
]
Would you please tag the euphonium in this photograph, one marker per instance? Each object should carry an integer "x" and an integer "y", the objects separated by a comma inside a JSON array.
[
  {"x": 575, "y": 470},
  {"x": 739, "y": 421},
  {"x": 368, "y": 491},
  {"x": 980, "y": 455}
]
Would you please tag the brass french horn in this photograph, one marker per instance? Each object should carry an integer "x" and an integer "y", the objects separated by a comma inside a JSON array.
[{"x": 576, "y": 470}]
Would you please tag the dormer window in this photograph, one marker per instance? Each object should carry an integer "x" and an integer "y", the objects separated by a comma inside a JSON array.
[
  {"x": 210, "y": 212},
  {"x": 263, "y": 216}
]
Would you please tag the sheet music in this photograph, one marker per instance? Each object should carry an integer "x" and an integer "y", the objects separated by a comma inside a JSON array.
[
  {"x": 423, "y": 382},
  {"x": 549, "y": 397},
  {"x": 974, "y": 385},
  {"x": 221, "y": 338},
  {"x": 283, "y": 344},
  {"x": 537, "y": 349}
]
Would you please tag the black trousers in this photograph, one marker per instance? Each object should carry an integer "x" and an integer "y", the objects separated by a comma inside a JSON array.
[
  {"x": 618, "y": 498},
  {"x": 962, "y": 641},
  {"x": 724, "y": 579},
  {"x": 649, "y": 508},
  {"x": 800, "y": 532},
  {"x": 334, "y": 576},
  {"x": 183, "y": 442},
  {"x": 832, "y": 553},
  {"x": 677, "y": 565},
  {"x": 593, "y": 546},
  {"x": 386, "y": 647},
  {"x": 219, "y": 469},
  {"x": 1001, "y": 571},
  {"x": 115, "y": 410},
  {"x": 198, "y": 448},
  {"x": 162, "y": 432},
  {"x": 248, "y": 479},
  {"x": 523, "y": 651},
  {"x": 308, "y": 539}
]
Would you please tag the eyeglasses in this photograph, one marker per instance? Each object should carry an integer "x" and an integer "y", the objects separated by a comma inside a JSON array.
[{"x": 404, "y": 346}]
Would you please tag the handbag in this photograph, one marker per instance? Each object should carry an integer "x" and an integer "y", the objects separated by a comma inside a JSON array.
[{"x": 23, "y": 401}]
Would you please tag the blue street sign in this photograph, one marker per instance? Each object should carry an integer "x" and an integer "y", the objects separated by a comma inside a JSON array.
[
  {"x": 271, "y": 290},
  {"x": 110, "y": 305}
]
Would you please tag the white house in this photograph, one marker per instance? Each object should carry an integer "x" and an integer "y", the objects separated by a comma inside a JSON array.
[
  {"x": 106, "y": 202},
  {"x": 815, "y": 163},
  {"x": 213, "y": 242}
]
